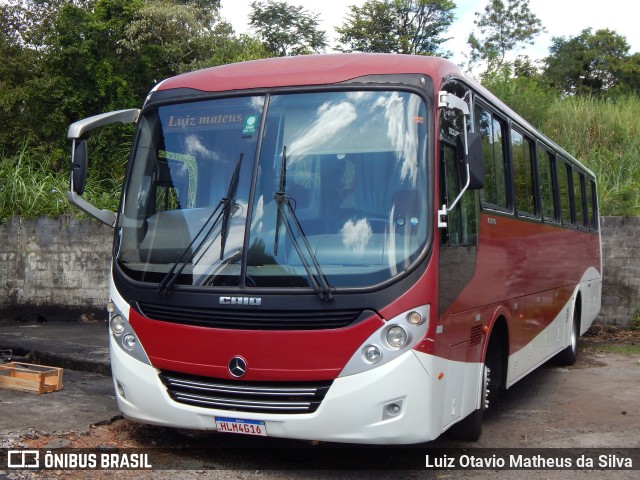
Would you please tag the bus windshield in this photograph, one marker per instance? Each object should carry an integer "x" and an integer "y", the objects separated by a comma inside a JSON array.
[{"x": 289, "y": 190}]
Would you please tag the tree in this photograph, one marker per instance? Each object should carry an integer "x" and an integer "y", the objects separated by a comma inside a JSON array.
[
  {"x": 591, "y": 63},
  {"x": 522, "y": 88},
  {"x": 169, "y": 35},
  {"x": 502, "y": 29},
  {"x": 69, "y": 59},
  {"x": 287, "y": 30},
  {"x": 412, "y": 27}
]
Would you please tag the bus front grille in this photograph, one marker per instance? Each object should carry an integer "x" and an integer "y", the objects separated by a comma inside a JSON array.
[
  {"x": 257, "y": 397},
  {"x": 253, "y": 319}
]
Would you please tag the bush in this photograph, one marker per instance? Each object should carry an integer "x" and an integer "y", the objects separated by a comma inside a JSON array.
[{"x": 605, "y": 136}]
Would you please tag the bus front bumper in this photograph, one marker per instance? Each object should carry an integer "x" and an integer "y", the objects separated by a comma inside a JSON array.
[{"x": 391, "y": 404}]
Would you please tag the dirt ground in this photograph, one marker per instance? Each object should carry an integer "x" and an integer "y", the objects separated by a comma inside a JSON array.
[{"x": 593, "y": 404}]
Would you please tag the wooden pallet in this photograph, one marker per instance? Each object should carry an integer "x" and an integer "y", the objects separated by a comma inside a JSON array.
[{"x": 29, "y": 377}]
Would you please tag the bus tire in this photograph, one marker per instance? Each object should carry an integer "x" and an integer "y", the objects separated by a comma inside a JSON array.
[
  {"x": 470, "y": 428},
  {"x": 569, "y": 355}
]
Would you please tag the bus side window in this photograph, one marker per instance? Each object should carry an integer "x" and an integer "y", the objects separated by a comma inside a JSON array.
[
  {"x": 173, "y": 185},
  {"x": 564, "y": 189},
  {"x": 495, "y": 184},
  {"x": 578, "y": 189},
  {"x": 592, "y": 205},
  {"x": 462, "y": 227},
  {"x": 521, "y": 148},
  {"x": 462, "y": 220},
  {"x": 545, "y": 179}
]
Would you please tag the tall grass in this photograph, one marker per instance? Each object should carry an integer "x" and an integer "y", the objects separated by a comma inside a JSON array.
[
  {"x": 30, "y": 188},
  {"x": 605, "y": 136}
]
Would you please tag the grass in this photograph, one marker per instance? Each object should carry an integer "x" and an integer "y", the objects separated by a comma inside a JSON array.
[
  {"x": 31, "y": 188},
  {"x": 611, "y": 339},
  {"x": 613, "y": 348},
  {"x": 605, "y": 136}
]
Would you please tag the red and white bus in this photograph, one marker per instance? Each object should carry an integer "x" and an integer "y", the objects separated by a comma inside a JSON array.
[{"x": 357, "y": 248}]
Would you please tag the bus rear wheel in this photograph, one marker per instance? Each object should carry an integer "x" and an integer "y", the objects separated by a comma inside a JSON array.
[{"x": 569, "y": 355}]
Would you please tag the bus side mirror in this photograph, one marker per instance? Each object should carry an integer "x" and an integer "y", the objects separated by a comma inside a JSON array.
[
  {"x": 474, "y": 159},
  {"x": 79, "y": 160}
]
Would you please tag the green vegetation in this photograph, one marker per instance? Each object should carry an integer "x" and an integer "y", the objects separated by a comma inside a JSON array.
[
  {"x": 63, "y": 61},
  {"x": 625, "y": 349},
  {"x": 32, "y": 189},
  {"x": 636, "y": 319},
  {"x": 605, "y": 135},
  {"x": 413, "y": 27}
]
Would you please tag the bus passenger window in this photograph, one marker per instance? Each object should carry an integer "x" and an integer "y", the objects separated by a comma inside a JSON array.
[
  {"x": 565, "y": 193},
  {"x": 495, "y": 184},
  {"x": 592, "y": 205},
  {"x": 521, "y": 148},
  {"x": 578, "y": 182},
  {"x": 545, "y": 179}
]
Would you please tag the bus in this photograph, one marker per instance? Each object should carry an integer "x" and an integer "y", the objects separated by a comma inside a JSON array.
[{"x": 355, "y": 248}]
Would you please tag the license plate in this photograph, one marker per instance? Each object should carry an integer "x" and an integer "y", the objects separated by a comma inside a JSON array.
[{"x": 239, "y": 425}]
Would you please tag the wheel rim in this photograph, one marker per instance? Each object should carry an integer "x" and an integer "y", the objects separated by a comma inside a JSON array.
[
  {"x": 574, "y": 334},
  {"x": 486, "y": 381}
]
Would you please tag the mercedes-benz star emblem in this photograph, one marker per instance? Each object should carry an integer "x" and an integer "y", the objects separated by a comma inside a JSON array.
[{"x": 237, "y": 367}]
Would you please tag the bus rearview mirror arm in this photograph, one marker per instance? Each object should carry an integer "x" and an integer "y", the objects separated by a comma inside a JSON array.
[{"x": 472, "y": 145}]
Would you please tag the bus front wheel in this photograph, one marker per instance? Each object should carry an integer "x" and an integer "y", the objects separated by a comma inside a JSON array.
[{"x": 470, "y": 428}]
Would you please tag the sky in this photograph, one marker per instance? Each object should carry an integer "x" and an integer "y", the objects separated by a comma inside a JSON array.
[{"x": 566, "y": 18}]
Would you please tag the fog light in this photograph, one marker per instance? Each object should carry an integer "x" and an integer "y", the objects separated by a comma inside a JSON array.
[
  {"x": 120, "y": 390},
  {"x": 393, "y": 409},
  {"x": 414, "y": 318},
  {"x": 371, "y": 353},
  {"x": 129, "y": 342},
  {"x": 117, "y": 324},
  {"x": 396, "y": 336}
]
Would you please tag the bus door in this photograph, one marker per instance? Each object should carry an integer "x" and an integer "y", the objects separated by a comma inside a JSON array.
[{"x": 457, "y": 260}]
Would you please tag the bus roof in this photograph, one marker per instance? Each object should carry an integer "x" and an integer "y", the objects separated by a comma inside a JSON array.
[{"x": 308, "y": 70}]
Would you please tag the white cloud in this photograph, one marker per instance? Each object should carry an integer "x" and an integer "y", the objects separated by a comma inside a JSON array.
[{"x": 356, "y": 235}]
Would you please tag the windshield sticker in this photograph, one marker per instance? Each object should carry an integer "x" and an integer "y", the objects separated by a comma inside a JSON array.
[
  {"x": 250, "y": 124},
  {"x": 204, "y": 120}
]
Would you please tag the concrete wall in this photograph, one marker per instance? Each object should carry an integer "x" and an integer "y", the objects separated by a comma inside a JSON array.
[
  {"x": 63, "y": 264},
  {"x": 54, "y": 265},
  {"x": 621, "y": 276}
]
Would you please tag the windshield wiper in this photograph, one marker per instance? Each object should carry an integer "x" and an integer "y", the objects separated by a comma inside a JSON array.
[
  {"x": 279, "y": 196},
  {"x": 229, "y": 210},
  {"x": 224, "y": 212},
  {"x": 320, "y": 284}
]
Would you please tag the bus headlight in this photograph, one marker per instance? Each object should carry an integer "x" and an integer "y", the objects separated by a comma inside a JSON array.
[
  {"x": 124, "y": 336},
  {"x": 396, "y": 336},
  {"x": 117, "y": 325}
]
